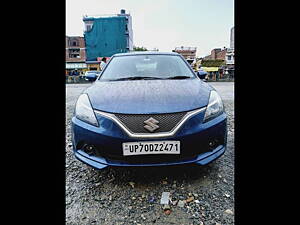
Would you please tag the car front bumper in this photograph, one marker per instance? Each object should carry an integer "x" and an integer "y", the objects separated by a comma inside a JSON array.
[{"x": 194, "y": 137}]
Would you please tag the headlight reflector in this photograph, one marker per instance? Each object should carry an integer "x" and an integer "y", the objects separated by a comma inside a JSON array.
[
  {"x": 215, "y": 106},
  {"x": 84, "y": 110}
]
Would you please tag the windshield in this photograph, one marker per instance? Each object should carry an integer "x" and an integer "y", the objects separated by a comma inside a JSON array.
[{"x": 146, "y": 67}]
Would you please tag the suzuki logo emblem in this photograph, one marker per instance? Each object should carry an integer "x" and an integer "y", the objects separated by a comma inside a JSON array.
[{"x": 151, "y": 124}]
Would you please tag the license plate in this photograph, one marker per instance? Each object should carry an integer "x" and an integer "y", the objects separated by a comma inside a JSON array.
[{"x": 149, "y": 148}]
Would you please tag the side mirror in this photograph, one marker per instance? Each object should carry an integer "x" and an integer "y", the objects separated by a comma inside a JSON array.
[{"x": 201, "y": 74}]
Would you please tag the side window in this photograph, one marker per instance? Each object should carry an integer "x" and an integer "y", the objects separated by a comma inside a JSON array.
[{"x": 88, "y": 27}]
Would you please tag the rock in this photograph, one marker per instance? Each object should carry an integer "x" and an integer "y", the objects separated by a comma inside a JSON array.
[
  {"x": 227, "y": 195},
  {"x": 228, "y": 211},
  {"x": 164, "y": 182},
  {"x": 168, "y": 212},
  {"x": 181, "y": 198},
  {"x": 174, "y": 202},
  {"x": 218, "y": 224},
  {"x": 151, "y": 200},
  {"x": 181, "y": 203},
  {"x": 165, "y": 198},
  {"x": 132, "y": 184},
  {"x": 197, "y": 201},
  {"x": 166, "y": 207},
  {"x": 195, "y": 195},
  {"x": 190, "y": 199},
  {"x": 133, "y": 198}
]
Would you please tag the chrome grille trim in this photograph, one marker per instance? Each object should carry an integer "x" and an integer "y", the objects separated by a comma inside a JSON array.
[{"x": 154, "y": 135}]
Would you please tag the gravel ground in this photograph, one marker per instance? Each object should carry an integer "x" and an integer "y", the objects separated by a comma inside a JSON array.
[{"x": 132, "y": 195}]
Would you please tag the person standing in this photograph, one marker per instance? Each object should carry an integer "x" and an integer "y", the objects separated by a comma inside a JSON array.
[{"x": 103, "y": 63}]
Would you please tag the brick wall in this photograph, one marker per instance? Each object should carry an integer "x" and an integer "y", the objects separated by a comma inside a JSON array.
[
  {"x": 221, "y": 55},
  {"x": 214, "y": 53}
]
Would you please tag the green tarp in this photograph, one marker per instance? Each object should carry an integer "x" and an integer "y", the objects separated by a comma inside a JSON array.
[{"x": 107, "y": 37}]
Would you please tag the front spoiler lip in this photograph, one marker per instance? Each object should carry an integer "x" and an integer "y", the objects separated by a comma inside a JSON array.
[{"x": 100, "y": 163}]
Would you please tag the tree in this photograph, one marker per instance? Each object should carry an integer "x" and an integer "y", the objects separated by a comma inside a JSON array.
[
  {"x": 139, "y": 48},
  {"x": 212, "y": 63}
]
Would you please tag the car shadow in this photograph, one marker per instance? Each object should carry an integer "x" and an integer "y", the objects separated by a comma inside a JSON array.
[{"x": 153, "y": 175}]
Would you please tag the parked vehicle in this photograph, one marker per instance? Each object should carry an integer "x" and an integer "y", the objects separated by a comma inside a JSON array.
[
  {"x": 91, "y": 75},
  {"x": 203, "y": 75},
  {"x": 148, "y": 109}
]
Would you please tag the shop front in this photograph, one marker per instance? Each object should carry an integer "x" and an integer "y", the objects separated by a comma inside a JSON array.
[
  {"x": 75, "y": 68},
  {"x": 93, "y": 65},
  {"x": 213, "y": 72}
]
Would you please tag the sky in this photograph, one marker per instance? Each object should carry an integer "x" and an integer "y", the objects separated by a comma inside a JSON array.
[{"x": 163, "y": 24}]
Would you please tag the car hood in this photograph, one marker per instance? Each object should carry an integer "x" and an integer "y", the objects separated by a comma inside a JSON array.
[{"x": 148, "y": 96}]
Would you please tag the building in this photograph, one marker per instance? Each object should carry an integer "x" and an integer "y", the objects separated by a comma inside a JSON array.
[
  {"x": 106, "y": 35},
  {"x": 216, "y": 54},
  {"x": 221, "y": 55},
  {"x": 75, "y": 54},
  {"x": 230, "y": 55},
  {"x": 232, "y": 37},
  {"x": 95, "y": 65},
  {"x": 222, "y": 60},
  {"x": 189, "y": 53}
]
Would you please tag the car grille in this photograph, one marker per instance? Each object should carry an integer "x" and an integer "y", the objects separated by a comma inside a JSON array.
[{"x": 135, "y": 122}]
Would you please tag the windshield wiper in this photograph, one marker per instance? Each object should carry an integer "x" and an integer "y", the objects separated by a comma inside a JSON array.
[
  {"x": 178, "y": 77},
  {"x": 137, "y": 78}
]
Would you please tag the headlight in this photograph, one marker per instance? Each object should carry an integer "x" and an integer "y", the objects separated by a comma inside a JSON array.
[
  {"x": 215, "y": 106},
  {"x": 84, "y": 110}
]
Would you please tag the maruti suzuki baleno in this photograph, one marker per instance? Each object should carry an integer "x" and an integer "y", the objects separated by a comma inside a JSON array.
[{"x": 148, "y": 109}]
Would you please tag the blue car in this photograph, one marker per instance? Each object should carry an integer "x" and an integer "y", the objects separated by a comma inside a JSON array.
[
  {"x": 148, "y": 109},
  {"x": 91, "y": 75}
]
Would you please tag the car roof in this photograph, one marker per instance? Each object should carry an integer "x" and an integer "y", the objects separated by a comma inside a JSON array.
[{"x": 146, "y": 53}]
